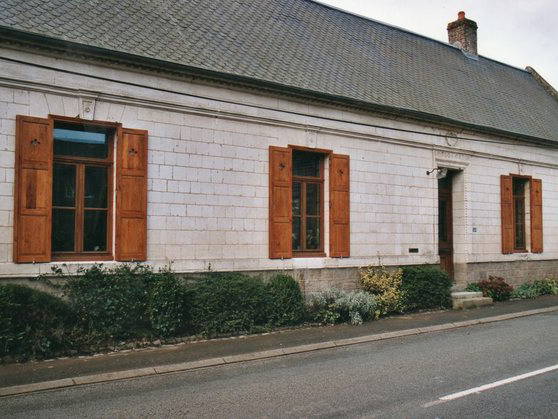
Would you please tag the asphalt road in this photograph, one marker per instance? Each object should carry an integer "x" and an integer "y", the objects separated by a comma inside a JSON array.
[{"x": 403, "y": 377}]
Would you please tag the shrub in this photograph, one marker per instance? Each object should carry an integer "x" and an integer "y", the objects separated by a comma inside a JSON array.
[
  {"x": 547, "y": 286},
  {"x": 227, "y": 303},
  {"x": 286, "y": 301},
  {"x": 473, "y": 287},
  {"x": 336, "y": 306},
  {"x": 525, "y": 291},
  {"x": 112, "y": 303},
  {"x": 166, "y": 304},
  {"x": 32, "y": 323},
  {"x": 385, "y": 285},
  {"x": 536, "y": 289},
  {"x": 426, "y": 287},
  {"x": 496, "y": 288}
]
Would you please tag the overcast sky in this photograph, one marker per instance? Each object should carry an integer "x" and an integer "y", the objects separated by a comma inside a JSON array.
[{"x": 517, "y": 32}]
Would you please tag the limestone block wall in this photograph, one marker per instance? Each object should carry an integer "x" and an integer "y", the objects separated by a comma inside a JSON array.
[{"x": 208, "y": 171}]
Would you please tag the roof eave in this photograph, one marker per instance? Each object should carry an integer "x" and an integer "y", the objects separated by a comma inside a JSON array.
[{"x": 68, "y": 47}]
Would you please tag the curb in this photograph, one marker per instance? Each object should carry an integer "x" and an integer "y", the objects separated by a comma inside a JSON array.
[{"x": 273, "y": 353}]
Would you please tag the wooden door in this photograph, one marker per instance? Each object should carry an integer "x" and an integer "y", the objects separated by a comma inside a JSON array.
[{"x": 445, "y": 224}]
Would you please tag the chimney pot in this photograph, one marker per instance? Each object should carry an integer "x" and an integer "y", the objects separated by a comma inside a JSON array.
[{"x": 463, "y": 34}]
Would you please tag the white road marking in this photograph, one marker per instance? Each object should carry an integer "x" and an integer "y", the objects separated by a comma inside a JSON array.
[{"x": 485, "y": 387}]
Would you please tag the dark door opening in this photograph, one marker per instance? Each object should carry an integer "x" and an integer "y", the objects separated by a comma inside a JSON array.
[{"x": 445, "y": 223}]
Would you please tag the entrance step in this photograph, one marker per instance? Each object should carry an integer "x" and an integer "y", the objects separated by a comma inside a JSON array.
[
  {"x": 463, "y": 300},
  {"x": 465, "y": 295}
]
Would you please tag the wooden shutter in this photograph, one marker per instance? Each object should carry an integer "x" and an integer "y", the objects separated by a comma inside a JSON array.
[
  {"x": 536, "y": 216},
  {"x": 131, "y": 195},
  {"x": 339, "y": 206},
  {"x": 506, "y": 215},
  {"x": 33, "y": 190},
  {"x": 280, "y": 203}
]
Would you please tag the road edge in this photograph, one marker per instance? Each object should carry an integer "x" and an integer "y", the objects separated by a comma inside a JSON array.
[{"x": 252, "y": 356}]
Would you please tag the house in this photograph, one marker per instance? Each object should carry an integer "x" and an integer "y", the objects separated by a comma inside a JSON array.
[{"x": 264, "y": 136}]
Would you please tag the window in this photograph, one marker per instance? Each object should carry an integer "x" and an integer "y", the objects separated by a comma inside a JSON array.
[
  {"x": 296, "y": 203},
  {"x": 64, "y": 191},
  {"x": 82, "y": 190},
  {"x": 307, "y": 202},
  {"x": 521, "y": 214}
]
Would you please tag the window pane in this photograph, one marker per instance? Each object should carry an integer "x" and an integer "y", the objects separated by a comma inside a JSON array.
[
  {"x": 296, "y": 233},
  {"x": 306, "y": 164},
  {"x": 96, "y": 187},
  {"x": 95, "y": 231},
  {"x": 296, "y": 198},
  {"x": 312, "y": 199},
  {"x": 518, "y": 186},
  {"x": 312, "y": 233},
  {"x": 64, "y": 185},
  {"x": 519, "y": 223},
  {"x": 80, "y": 140},
  {"x": 63, "y": 227}
]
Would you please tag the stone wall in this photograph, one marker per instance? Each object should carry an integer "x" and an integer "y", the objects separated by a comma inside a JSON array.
[
  {"x": 515, "y": 272},
  {"x": 208, "y": 172}
]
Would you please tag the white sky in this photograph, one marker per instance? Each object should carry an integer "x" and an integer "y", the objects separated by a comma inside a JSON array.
[{"x": 517, "y": 32}]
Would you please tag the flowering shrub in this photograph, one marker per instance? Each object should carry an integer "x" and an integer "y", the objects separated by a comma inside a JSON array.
[
  {"x": 385, "y": 285},
  {"x": 496, "y": 288},
  {"x": 336, "y": 306}
]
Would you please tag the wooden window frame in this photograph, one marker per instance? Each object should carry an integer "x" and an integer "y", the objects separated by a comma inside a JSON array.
[
  {"x": 305, "y": 180},
  {"x": 80, "y": 163},
  {"x": 527, "y": 179}
]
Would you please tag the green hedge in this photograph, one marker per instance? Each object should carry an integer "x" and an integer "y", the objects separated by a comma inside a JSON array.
[
  {"x": 226, "y": 303},
  {"x": 103, "y": 306},
  {"x": 166, "y": 305},
  {"x": 426, "y": 287},
  {"x": 286, "y": 305},
  {"x": 233, "y": 303},
  {"x": 111, "y": 303},
  {"x": 33, "y": 323}
]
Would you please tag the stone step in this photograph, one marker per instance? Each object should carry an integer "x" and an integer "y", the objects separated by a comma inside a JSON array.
[
  {"x": 464, "y": 303},
  {"x": 466, "y": 295}
]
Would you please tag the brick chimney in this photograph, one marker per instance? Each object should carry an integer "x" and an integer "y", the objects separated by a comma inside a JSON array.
[{"x": 462, "y": 33}]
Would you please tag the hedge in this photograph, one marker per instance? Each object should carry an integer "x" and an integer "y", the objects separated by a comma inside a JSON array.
[
  {"x": 102, "y": 306},
  {"x": 425, "y": 287},
  {"x": 33, "y": 324}
]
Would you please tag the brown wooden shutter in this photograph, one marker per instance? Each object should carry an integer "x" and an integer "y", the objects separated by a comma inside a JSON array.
[
  {"x": 506, "y": 203},
  {"x": 33, "y": 190},
  {"x": 280, "y": 203},
  {"x": 339, "y": 206},
  {"x": 131, "y": 195},
  {"x": 536, "y": 216}
]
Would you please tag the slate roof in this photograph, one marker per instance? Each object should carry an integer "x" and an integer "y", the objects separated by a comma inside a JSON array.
[{"x": 305, "y": 45}]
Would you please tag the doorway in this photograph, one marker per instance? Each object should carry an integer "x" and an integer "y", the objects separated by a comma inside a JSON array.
[{"x": 445, "y": 223}]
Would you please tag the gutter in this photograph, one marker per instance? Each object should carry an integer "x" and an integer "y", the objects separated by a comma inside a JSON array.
[{"x": 59, "y": 46}]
